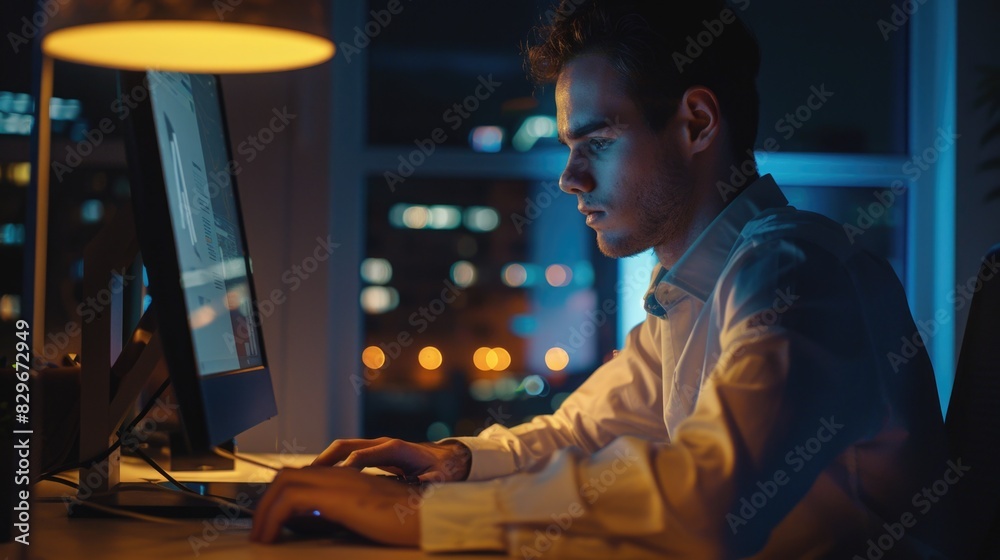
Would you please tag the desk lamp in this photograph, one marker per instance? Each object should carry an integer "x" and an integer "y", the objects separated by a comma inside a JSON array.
[{"x": 196, "y": 36}]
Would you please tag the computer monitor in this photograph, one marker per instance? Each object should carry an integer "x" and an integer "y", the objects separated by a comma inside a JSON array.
[
  {"x": 194, "y": 247},
  {"x": 201, "y": 327}
]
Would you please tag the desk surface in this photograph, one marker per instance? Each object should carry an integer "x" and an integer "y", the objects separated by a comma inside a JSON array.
[{"x": 54, "y": 536}]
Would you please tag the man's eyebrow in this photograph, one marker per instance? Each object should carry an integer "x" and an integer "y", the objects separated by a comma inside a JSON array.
[{"x": 583, "y": 130}]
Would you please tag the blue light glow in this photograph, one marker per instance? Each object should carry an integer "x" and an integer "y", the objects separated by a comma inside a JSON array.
[
  {"x": 533, "y": 129},
  {"x": 487, "y": 139},
  {"x": 534, "y": 385},
  {"x": 523, "y": 325}
]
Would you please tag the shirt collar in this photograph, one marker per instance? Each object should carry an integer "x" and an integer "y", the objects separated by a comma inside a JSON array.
[{"x": 698, "y": 269}]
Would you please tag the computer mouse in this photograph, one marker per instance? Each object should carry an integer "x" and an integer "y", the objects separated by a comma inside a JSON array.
[{"x": 315, "y": 526}]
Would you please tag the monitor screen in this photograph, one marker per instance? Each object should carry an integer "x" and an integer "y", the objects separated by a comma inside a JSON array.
[
  {"x": 193, "y": 149},
  {"x": 190, "y": 231}
]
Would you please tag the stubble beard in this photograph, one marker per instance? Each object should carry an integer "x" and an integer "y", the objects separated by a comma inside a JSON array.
[{"x": 664, "y": 215}]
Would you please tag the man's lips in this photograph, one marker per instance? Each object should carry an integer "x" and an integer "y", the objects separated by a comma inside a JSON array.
[{"x": 593, "y": 214}]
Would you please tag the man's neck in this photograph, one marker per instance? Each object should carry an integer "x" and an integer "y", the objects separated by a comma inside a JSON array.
[{"x": 706, "y": 208}]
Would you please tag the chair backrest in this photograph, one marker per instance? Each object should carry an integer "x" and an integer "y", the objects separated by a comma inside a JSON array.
[{"x": 973, "y": 419}]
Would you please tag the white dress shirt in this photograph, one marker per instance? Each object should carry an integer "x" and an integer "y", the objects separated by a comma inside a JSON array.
[{"x": 773, "y": 404}]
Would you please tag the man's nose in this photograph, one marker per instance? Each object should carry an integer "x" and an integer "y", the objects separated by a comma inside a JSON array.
[{"x": 576, "y": 178}]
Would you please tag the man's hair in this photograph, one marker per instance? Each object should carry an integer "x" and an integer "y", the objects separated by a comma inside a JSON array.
[{"x": 661, "y": 48}]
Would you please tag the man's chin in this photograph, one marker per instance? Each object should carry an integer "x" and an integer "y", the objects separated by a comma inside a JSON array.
[{"x": 618, "y": 248}]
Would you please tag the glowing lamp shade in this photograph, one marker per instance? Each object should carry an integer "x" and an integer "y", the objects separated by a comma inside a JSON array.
[
  {"x": 188, "y": 46},
  {"x": 195, "y": 36},
  {"x": 228, "y": 36}
]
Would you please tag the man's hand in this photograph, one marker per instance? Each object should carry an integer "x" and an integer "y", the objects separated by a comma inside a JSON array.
[
  {"x": 376, "y": 507},
  {"x": 430, "y": 462}
]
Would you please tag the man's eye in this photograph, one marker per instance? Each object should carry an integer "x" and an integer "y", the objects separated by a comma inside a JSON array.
[{"x": 599, "y": 144}]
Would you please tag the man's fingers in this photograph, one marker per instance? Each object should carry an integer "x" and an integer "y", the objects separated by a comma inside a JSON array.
[
  {"x": 272, "y": 513},
  {"x": 394, "y": 470},
  {"x": 281, "y": 483},
  {"x": 393, "y": 453},
  {"x": 267, "y": 522},
  {"x": 341, "y": 448},
  {"x": 433, "y": 477},
  {"x": 306, "y": 487},
  {"x": 384, "y": 454},
  {"x": 293, "y": 501},
  {"x": 364, "y": 504}
]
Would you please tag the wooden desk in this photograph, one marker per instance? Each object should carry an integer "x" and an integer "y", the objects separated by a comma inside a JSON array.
[{"x": 55, "y": 536}]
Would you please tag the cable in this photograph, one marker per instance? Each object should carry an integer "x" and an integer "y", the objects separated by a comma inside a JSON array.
[
  {"x": 138, "y": 487},
  {"x": 69, "y": 483},
  {"x": 118, "y": 443},
  {"x": 109, "y": 509},
  {"x": 212, "y": 498},
  {"x": 149, "y": 405},
  {"x": 181, "y": 487},
  {"x": 164, "y": 473},
  {"x": 51, "y": 475}
]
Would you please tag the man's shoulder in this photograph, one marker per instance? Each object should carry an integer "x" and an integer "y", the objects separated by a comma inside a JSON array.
[
  {"x": 785, "y": 247},
  {"x": 798, "y": 232}
]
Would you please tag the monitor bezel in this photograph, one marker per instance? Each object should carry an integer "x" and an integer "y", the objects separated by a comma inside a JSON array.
[{"x": 213, "y": 408}]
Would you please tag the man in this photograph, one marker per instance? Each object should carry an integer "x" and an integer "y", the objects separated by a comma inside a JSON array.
[{"x": 755, "y": 412}]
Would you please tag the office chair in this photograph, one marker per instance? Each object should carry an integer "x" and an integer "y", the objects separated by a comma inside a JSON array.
[{"x": 973, "y": 419}]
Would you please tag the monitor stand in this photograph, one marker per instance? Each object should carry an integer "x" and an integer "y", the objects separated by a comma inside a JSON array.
[{"x": 109, "y": 388}]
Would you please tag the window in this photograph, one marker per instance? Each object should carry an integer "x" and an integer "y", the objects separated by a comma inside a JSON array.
[{"x": 849, "y": 120}]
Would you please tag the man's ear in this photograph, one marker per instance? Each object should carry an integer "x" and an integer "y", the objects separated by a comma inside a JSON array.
[{"x": 699, "y": 118}]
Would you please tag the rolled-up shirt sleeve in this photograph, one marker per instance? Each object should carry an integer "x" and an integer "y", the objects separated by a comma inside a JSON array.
[
  {"x": 791, "y": 370},
  {"x": 623, "y": 396}
]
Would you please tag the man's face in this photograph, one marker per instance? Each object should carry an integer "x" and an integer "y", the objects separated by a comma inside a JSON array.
[{"x": 628, "y": 179}]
